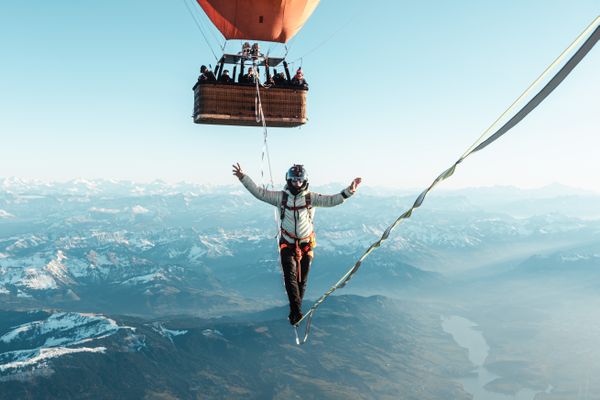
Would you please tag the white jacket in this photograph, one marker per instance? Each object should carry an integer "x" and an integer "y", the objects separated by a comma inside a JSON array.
[{"x": 298, "y": 222}]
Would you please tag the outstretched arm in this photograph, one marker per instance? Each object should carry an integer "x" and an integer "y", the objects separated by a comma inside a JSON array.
[
  {"x": 354, "y": 185},
  {"x": 237, "y": 170},
  {"x": 321, "y": 200},
  {"x": 272, "y": 197}
]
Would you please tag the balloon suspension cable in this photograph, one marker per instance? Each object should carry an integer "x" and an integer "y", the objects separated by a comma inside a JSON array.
[
  {"x": 287, "y": 50},
  {"x": 333, "y": 34},
  {"x": 485, "y": 140},
  {"x": 199, "y": 26},
  {"x": 214, "y": 35}
]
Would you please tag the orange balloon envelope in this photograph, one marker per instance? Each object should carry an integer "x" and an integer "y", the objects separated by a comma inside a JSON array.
[{"x": 268, "y": 20}]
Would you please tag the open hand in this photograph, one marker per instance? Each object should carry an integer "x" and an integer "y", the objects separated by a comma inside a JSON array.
[
  {"x": 237, "y": 170},
  {"x": 354, "y": 184}
]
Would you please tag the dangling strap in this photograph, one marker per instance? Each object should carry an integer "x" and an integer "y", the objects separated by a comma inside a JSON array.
[
  {"x": 283, "y": 205},
  {"x": 298, "y": 257},
  {"x": 307, "y": 201}
]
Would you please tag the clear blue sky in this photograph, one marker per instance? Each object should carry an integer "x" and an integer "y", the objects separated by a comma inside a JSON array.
[{"x": 102, "y": 89}]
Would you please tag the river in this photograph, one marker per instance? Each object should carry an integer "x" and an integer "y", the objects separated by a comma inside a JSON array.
[{"x": 466, "y": 335}]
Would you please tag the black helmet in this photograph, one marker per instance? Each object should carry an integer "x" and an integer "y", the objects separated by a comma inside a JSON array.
[{"x": 297, "y": 172}]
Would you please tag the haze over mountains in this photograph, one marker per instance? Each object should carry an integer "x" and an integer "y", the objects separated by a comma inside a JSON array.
[{"x": 175, "y": 291}]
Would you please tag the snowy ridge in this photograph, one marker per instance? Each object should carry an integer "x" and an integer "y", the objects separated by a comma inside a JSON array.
[
  {"x": 101, "y": 210},
  {"x": 59, "y": 334},
  {"x": 64, "y": 245},
  {"x": 580, "y": 257},
  {"x": 137, "y": 210},
  {"x": 210, "y": 247},
  {"x": 155, "y": 276},
  {"x": 87, "y": 187},
  {"x": 25, "y": 243},
  {"x": 118, "y": 237},
  {"x": 46, "y": 354},
  {"x": 5, "y": 214},
  {"x": 37, "y": 280},
  {"x": 213, "y": 334},
  {"x": 168, "y": 333},
  {"x": 58, "y": 270},
  {"x": 34, "y": 274},
  {"x": 220, "y": 244},
  {"x": 79, "y": 326}
]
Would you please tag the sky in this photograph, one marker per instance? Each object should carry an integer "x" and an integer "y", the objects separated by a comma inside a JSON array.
[{"x": 398, "y": 91}]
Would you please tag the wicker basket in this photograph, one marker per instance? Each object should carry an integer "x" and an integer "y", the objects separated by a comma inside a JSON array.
[{"x": 235, "y": 104}]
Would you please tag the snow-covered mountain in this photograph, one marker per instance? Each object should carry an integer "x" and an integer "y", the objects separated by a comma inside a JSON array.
[
  {"x": 31, "y": 346},
  {"x": 79, "y": 356},
  {"x": 162, "y": 248},
  {"x": 84, "y": 250}
]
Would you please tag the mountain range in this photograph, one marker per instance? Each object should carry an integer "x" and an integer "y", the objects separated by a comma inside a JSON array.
[
  {"x": 360, "y": 348},
  {"x": 127, "y": 290}
]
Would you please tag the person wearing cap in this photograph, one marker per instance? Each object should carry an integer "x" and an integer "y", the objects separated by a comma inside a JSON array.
[
  {"x": 206, "y": 75},
  {"x": 250, "y": 77},
  {"x": 279, "y": 79},
  {"x": 298, "y": 79},
  {"x": 225, "y": 78},
  {"x": 297, "y": 240}
]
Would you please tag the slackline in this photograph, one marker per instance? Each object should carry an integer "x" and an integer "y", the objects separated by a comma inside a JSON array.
[{"x": 485, "y": 140}]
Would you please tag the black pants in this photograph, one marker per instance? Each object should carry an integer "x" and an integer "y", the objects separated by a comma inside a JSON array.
[{"x": 295, "y": 289}]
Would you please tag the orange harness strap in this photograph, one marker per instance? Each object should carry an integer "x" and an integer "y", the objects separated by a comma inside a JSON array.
[{"x": 299, "y": 250}]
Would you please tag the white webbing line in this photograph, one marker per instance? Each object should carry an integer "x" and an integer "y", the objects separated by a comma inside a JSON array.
[
  {"x": 527, "y": 91},
  {"x": 479, "y": 144}
]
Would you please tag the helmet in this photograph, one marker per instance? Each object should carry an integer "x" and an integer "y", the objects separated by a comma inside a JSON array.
[{"x": 296, "y": 173}]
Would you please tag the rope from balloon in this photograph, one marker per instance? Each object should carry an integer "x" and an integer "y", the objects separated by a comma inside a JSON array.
[
  {"x": 483, "y": 141},
  {"x": 198, "y": 25},
  {"x": 260, "y": 117},
  {"x": 343, "y": 25}
]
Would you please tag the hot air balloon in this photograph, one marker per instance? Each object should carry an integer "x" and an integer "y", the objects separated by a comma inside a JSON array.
[{"x": 239, "y": 101}]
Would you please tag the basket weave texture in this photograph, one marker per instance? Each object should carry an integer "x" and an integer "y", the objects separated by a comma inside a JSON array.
[{"x": 236, "y": 105}]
